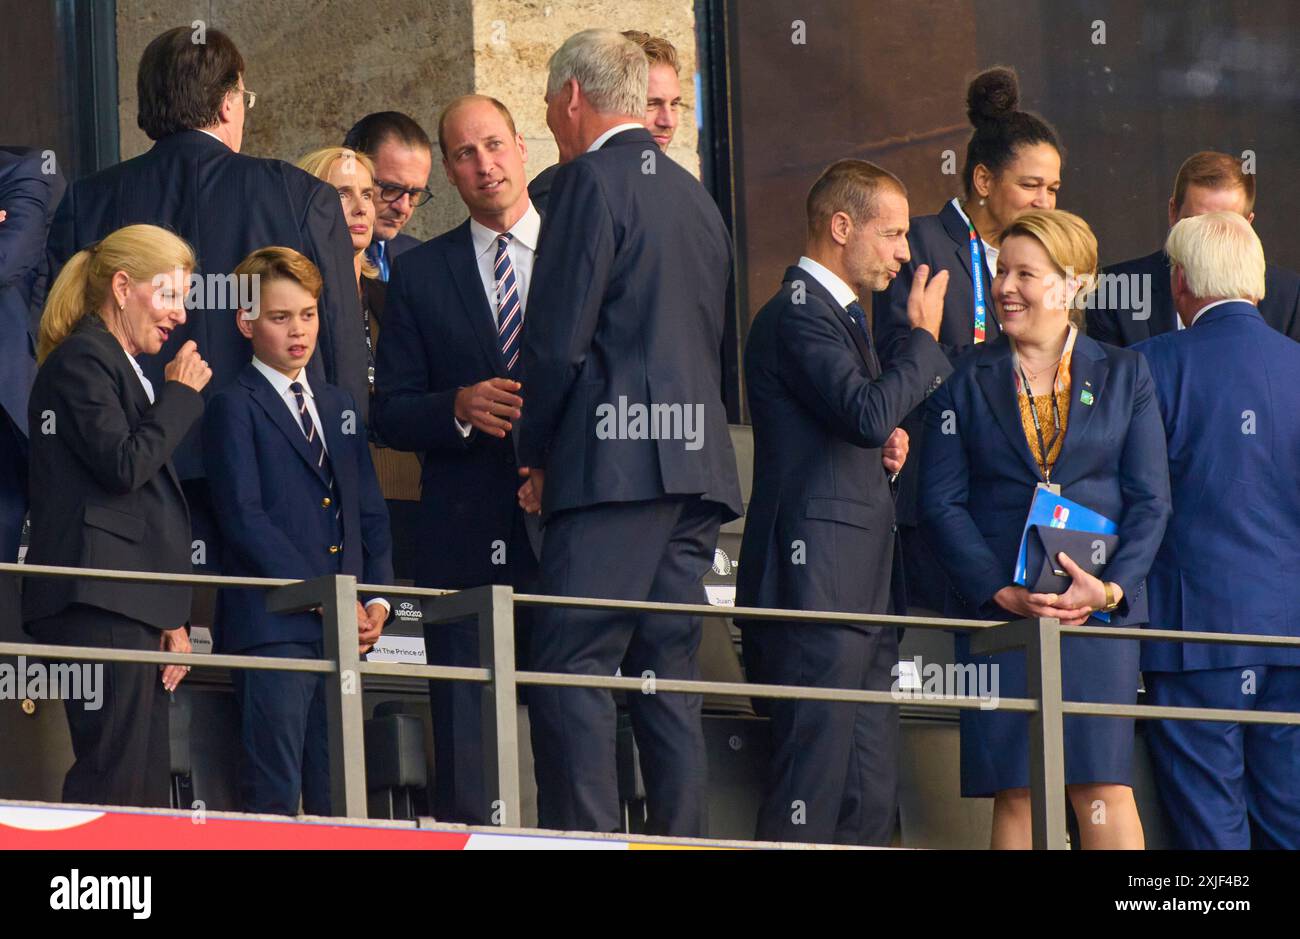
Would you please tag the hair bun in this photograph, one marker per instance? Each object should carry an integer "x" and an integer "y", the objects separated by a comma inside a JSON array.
[{"x": 992, "y": 94}]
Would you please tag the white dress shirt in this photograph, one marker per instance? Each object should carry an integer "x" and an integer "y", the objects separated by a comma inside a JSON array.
[
  {"x": 281, "y": 382},
  {"x": 522, "y": 250},
  {"x": 146, "y": 383},
  {"x": 841, "y": 291},
  {"x": 990, "y": 252},
  {"x": 616, "y": 129}
]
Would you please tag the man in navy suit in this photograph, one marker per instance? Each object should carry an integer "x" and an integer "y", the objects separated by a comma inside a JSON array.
[
  {"x": 195, "y": 182},
  {"x": 1134, "y": 300},
  {"x": 296, "y": 496},
  {"x": 820, "y": 530},
  {"x": 30, "y": 188},
  {"x": 448, "y": 385},
  {"x": 1230, "y": 560},
  {"x": 403, "y": 158},
  {"x": 623, "y": 442}
]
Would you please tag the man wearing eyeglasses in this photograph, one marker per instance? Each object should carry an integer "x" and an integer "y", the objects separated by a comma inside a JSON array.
[{"x": 403, "y": 158}]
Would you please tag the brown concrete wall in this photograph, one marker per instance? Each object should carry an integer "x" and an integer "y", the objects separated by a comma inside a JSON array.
[{"x": 318, "y": 65}]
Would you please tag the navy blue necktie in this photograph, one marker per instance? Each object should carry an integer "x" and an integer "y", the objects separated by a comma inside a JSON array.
[
  {"x": 859, "y": 317},
  {"x": 315, "y": 443},
  {"x": 379, "y": 258},
  {"x": 510, "y": 313}
]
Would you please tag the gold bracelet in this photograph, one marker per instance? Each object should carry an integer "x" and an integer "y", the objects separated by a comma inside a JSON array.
[{"x": 1111, "y": 603}]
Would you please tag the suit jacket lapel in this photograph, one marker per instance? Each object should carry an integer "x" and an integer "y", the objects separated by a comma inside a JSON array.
[
  {"x": 998, "y": 384},
  {"x": 1088, "y": 370},
  {"x": 464, "y": 271},
  {"x": 960, "y": 234},
  {"x": 865, "y": 349},
  {"x": 280, "y": 415},
  {"x": 796, "y": 274}
]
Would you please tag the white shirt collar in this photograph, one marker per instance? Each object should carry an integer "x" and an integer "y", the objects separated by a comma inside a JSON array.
[
  {"x": 842, "y": 292},
  {"x": 524, "y": 231},
  {"x": 212, "y": 135},
  {"x": 616, "y": 129},
  {"x": 281, "y": 382},
  {"x": 988, "y": 248},
  {"x": 1211, "y": 306}
]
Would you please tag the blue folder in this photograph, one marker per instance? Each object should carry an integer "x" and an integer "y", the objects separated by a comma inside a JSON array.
[{"x": 1059, "y": 512}]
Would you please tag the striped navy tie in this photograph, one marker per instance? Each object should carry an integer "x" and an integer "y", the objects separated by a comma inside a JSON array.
[
  {"x": 315, "y": 444},
  {"x": 510, "y": 312}
]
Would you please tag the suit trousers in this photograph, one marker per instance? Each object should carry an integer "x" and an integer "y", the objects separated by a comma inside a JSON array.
[
  {"x": 656, "y": 550},
  {"x": 285, "y": 739},
  {"x": 122, "y": 748},
  {"x": 460, "y": 791},
  {"x": 833, "y": 778},
  {"x": 1228, "y": 786}
]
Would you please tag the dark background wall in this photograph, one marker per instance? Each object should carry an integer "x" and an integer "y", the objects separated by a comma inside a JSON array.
[{"x": 885, "y": 81}]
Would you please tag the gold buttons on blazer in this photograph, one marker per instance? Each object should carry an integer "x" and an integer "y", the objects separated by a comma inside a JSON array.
[
  {"x": 334, "y": 549},
  {"x": 325, "y": 503}
]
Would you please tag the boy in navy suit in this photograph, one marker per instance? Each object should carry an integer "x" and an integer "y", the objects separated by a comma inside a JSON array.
[{"x": 296, "y": 496}]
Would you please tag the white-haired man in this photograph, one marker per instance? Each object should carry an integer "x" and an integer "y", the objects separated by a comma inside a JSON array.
[
  {"x": 626, "y": 427},
  {"x": 1230, "y": 560}
]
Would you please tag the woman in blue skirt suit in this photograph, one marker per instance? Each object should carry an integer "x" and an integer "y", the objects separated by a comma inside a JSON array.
[{"x": 1045, "y": 405}]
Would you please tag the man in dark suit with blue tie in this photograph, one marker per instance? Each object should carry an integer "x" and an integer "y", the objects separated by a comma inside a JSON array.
[
  {"x": 448, "y": 385},
  {"x": 30, "y": 188},
  {"x": 819, "y": 534},
  {"x": 1133, "y": 301},
  {"x": 1230, "y": 560},
  {"x": 623, "y": 443},
  {"x": 296, "y": 496},
  {"x": 195, "y": 182},
  {"x": 403, "y": 158}
]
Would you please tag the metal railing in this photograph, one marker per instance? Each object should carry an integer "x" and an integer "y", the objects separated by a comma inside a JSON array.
[{"x": 494, "y": 609}]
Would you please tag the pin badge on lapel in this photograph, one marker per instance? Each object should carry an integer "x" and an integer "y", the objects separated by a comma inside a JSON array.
[{"x": 1086, "y": 395}]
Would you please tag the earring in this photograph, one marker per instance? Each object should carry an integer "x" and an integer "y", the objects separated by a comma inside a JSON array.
[{"x": 981, "y": 202}]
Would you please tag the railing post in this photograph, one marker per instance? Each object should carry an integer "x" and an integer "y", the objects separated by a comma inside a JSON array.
[
  {"x": 344, "y": 707},
  {"x": 496, "y": 632},
  {"x": 1046, "y": 734}
]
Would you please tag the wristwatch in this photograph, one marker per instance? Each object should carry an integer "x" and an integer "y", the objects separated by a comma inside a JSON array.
[{"x": 1112, "y": 604}]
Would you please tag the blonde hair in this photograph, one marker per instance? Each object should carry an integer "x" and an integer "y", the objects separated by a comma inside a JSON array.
[
  {"x": 142, "y": 252},
  {"x": 1071, "y": 245},
  {"x": 319, "y": 162},
  {"x": 279, "y": 263},
  {"x": 1220, "y": 255}
]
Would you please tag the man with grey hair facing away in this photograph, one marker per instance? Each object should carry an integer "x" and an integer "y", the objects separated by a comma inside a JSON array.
[
  {"x": 623, "y": 444},
  {"x": 1230, "y": 561}
]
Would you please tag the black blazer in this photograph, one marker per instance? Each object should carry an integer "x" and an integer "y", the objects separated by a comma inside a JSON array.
[
  {"x": 226, "y": 204},
  {"x": 819, "y": 528},
  {"x": 28, "y": 195},
  {"x": 103, "y": 490},
  {"x": 438, "y": 336},
  {"x": 1121, "y": 316},
  {"x": 943, "y": 242},
  {"x": 625, "y": 312}
]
